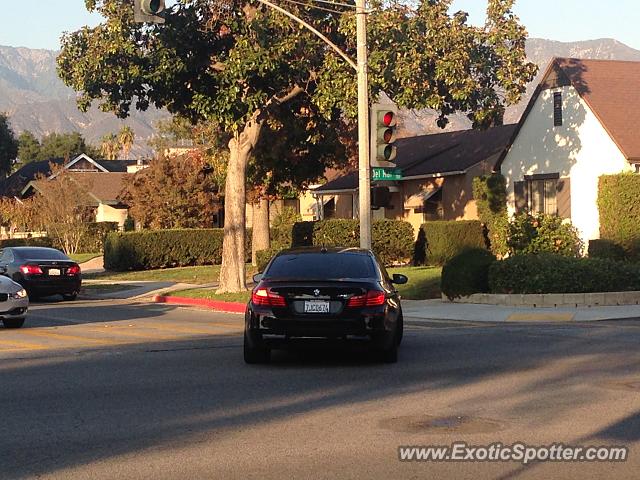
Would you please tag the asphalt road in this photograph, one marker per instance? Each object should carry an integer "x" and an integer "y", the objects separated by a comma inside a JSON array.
[{"x": 131, "y": 390}]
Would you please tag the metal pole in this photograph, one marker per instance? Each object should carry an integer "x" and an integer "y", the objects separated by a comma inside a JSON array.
[{"x": 364, "y": 170}]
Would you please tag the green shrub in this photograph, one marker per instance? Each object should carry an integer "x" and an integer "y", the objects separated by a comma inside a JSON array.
[
  {"x": 490, "y": 194},
  {"x": 551, "y": 273},
  {"x": 467, "y": 273},
  {"x": 281, "y": 236},
  {"x": 619, "y": 211},
  {"x": 27, "y": 242},
  {"x": 606, "y": 249},
  {"x": 149, "y": 249},
  {"x": 543, "y": 233},
  {"x": 391, "y": 240},
  {"x": 263, "y": 257},
  {"x": 446, "y": 239},
  {"x": 93, "y": 237}
]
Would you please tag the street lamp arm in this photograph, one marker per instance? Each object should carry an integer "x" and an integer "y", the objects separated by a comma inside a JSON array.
[{"x": 312, "y": 30}]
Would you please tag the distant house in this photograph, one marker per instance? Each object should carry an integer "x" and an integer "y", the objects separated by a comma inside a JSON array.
[
  {"x": 582, "y": 122},
  {"x": 104, "y": 180},
  {"x": 437, "y": 175}
]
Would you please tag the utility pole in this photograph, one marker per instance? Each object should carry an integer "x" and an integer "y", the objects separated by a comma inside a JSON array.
[{"x": 364, "y": 169}]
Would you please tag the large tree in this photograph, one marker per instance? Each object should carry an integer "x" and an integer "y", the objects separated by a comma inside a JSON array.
[
  {"x": 28, "y": 147},
  {"x": 8, "y": 146},
  {"x": 238, "y": 64},
  {"x": 65, "y": 145}
]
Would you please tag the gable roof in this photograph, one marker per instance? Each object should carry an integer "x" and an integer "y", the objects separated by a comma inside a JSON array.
[
  {"x": 101, "y": 187},
  {"x": 611, "y": 89},
  {"x": 441, "y": 154}
]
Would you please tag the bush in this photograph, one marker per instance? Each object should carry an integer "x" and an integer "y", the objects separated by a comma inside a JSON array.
[
  {"x": 606, "y": 249},
  {"x": 467, "y": 273},
  {"x": 27, "y": 242},
  {"x": 619, "y": 211},
  {"x": 551, "y": 273},
  {"x": 281, "y": 236},
  {"x": 150, "y": 249},
  {"x": 93, "y": 237},
  {"x": 543, "y": 233},
  {"x": 392, "y": 240},
  {"x": 490, "y": 194},
  {"x": 263, "y": 257},
  {"x": 446, "y": 239}
]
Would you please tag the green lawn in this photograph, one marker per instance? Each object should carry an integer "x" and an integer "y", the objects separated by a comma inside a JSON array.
[
  {"x": 424, "y": 282},
  {"x": 106, "y": 288},
  {"x": 195, "y": 275},
  {"x": 83, "y": 257}
]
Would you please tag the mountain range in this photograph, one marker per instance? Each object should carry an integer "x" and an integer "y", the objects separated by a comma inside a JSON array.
[{"x": 37, "y": 100}]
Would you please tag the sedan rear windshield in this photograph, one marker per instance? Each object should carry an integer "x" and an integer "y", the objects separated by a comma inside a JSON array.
[
  {"x": 319, "y": 266},
  {"x": 40, "y": 254}
]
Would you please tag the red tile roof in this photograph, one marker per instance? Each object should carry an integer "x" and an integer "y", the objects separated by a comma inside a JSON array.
[{"x": 611, "y": 88}]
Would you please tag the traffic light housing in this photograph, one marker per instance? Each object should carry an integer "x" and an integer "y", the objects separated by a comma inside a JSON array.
[
  {"x": 148, "y": 11},
  {"x": 384, "y": 120},
  {"x": 380, "y": 197}
]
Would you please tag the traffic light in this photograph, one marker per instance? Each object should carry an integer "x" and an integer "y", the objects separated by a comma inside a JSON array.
[
  {"x": 148, "y": 11},
  {"x": 380, "y": 197},
  {"x": 383, "y": 135}
]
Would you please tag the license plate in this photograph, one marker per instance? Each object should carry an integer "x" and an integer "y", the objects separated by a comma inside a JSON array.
[
  {"x": 54, "y": 272},
  {"x": 316, "y": 306}
]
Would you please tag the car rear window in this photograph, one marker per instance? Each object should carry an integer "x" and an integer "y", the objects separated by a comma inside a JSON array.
[
  {"x": 321, "y": 266},
  {"x": 40, "y": 254}
]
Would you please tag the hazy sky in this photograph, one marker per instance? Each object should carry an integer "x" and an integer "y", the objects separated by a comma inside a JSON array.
[{"x": 39, "y": 23}]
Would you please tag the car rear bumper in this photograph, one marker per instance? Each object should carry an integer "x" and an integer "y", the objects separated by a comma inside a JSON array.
[{"x": 62, "y": 286}]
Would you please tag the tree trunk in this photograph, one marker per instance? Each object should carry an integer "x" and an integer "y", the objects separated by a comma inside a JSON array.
[
  {"x": 260, "y": 239},
  {"x": 232, "y": 272}
]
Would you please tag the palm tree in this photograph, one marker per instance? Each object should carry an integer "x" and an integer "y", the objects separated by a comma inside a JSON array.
[
  {"x": 126, "y": 136},
  {"x": 110, "y": 146}
]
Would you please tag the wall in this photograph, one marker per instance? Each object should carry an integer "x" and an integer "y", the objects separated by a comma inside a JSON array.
[
  {"x": 106, "y": 213},
  {"x": 580, "y": 148}
]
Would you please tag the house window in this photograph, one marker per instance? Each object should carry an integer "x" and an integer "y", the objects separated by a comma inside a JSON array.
[
  {"x": 557, "y": 109},
  {"x": 432, "y": 207},
  {"x": 542, "y": 194},
  {"x": 637, "y": 167}
]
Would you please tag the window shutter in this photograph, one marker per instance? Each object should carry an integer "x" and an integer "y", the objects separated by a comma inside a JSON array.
[
  {"x": 520, "y": 196},
  {"x": 563, "y": 197}
]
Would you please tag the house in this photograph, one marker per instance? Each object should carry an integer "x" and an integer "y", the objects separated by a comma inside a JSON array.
[
  {"x": 582, "y": 122},
  {"x": 437, "y": 175},
  {"x": 104, "y": 180}
]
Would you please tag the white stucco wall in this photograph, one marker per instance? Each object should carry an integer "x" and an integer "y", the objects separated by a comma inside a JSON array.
[
  {"x": 580, "y": 148},
  {"x": 106, "y": 213}
]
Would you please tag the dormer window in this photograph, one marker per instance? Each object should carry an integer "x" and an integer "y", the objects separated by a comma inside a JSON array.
[{"x": 557, "y": 109}]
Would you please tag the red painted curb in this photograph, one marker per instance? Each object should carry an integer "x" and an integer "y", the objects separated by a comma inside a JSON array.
[{"x": 229, "y": 307}]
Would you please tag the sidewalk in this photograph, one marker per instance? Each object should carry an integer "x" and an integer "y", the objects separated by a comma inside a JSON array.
[{"x": 442, "y": 310}]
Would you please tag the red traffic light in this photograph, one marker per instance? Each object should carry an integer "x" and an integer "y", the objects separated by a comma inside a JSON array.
[{"x": 387, "y": 119}]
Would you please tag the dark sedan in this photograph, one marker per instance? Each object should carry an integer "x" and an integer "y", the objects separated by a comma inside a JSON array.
[
  {"x": 334, "y": 293},
  {"x": 41, "y": 271}
]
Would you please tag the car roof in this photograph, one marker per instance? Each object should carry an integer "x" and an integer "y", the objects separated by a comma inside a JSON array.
[
  {"x": 32, "y": 248},
  {"x": 321, "y": 249}
]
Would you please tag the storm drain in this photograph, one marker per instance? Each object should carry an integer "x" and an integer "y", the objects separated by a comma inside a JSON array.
[{"x": 433, "y": 424}]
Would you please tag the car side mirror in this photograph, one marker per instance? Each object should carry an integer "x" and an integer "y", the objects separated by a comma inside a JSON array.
[
  {"x": 399, "y": 279},
  {"x": 257, "y": 277}
]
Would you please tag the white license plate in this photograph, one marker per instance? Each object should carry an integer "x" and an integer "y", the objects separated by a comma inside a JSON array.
[
  {"x": 316, "y": 306},
  {"x": 54, "y": 272}
]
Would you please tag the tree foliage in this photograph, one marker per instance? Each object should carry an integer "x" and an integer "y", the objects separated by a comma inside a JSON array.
[
  {"x": 53, "y": 145},
  {"x": 28, "y": 147},
  {"x": 8, "y": 146},
  {"x": 172, "y": 192},
  {"x": 242, "y": 69}
]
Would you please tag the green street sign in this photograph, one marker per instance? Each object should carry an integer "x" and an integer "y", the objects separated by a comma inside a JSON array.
[{"x": 379, "y": 173}]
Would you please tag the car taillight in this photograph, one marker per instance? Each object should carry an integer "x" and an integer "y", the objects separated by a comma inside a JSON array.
[
  {"x": 264, "y": 296},
  {"x": 31, "y": 270},
  {"x": 73, "y": 270},
  {"x": 372, "y": 298}
]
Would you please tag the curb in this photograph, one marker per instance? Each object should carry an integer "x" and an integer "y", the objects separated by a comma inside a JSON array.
[
  {"x": 602, "y": 299},
  {"x": 227, "y": 307}
]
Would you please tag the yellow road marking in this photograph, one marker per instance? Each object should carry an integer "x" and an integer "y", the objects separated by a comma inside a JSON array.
[
  {"x": 129, "y": 333},
  {"x": 60, "y": 336},
  {"x": 540, "y": 317},
  {"x": 182, "y": 329},
  {"x": 22, "y": 345}
]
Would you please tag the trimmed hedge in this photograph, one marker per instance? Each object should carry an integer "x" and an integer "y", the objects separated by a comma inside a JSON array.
[
  {"x": 619, "y": 211},
  {"x": 392, "y": 240},
  {"x": 467, "y": 273},
  {"x": 606, "y": 249},
  {"x": 263, "y": 257},
  {"x": 445, "y": 239},
  {"x": 540, "y": 233},
  {"x": 490, "y": 194},
  {"x": 149, "y": 249},
  {"x": 550, "y": 273},
  {"x": 27, "y": 242},
  {"x": 93, "y": 238}
]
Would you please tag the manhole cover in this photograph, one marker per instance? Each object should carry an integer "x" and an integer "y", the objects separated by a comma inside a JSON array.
[{"x": 433, "y": 424}]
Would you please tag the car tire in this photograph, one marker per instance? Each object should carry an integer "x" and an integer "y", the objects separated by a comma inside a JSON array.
[
  {"x": 400, "y": 331},
  {"x": 255, "y": 353},
  {"x": 389, "y": 354},
  {"x": 13, "y": 322},
  {"x": 70, "y": 297}
]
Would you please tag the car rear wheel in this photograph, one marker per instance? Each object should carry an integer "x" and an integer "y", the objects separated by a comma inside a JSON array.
[
  {"x": 400, "y": 331},
  {"x": 70, "y": 297},
  {"x": 13, "y": 322},
  {"x": 256, "y": 353},
  {"x": 389, "y": 353}
]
